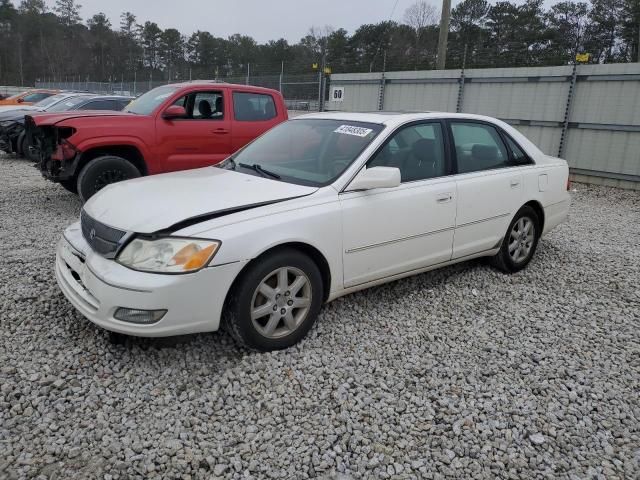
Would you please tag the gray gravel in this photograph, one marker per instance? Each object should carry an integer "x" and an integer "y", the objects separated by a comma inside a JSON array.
[{"x": 463, "y": 372}]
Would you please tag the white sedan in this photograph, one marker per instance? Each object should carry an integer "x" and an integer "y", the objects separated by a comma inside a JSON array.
[{"x": 316, "y": 208}]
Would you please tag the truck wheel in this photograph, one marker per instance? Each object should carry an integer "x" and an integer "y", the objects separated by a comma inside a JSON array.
[{"x": 103, "y": 171}]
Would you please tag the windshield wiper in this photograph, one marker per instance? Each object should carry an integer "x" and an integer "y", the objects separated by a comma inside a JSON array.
[{"x": 263, "y": 171}]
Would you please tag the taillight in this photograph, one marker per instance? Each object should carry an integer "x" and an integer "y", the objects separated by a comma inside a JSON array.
[{"x": 568, "y": 185}]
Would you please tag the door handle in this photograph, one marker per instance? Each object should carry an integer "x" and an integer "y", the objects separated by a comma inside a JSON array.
[
  {"x": 444, "y": 198},
  {"x": 515, "y": 183},
  {"x": 220, "y": 131}
]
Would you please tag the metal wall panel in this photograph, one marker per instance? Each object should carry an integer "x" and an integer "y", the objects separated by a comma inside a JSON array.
[
  {"x": 603, "y": 151},
  {"x": 424, "y": 97},
  {"x": 546, "y": 138},
  {"x": 603, "y": 136},
  {"x": 526, "y": 101}
]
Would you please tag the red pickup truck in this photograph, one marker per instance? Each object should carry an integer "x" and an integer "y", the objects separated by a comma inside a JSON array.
[{"x": 173, "y": 127}]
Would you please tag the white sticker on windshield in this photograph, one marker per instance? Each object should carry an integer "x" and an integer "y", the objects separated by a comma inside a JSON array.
[{"x": 351, "y": 130}]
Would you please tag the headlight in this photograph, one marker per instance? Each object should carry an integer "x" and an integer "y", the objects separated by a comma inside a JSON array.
[
  {"x": 6, "y": 123},
  {"x": 168, "y": 254}
]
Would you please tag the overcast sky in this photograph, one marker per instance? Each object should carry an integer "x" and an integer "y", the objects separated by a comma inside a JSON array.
[{"x": 262, "y": 19}]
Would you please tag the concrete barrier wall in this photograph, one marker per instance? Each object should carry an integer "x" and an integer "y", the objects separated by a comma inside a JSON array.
[{"x": 601, "y": 137}]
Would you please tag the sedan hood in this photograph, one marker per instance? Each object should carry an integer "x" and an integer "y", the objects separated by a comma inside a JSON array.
[
  {"x": 173, "y": 201},
  {"x": 15, "y": 108},
  {"x": 13, "y": 115}
]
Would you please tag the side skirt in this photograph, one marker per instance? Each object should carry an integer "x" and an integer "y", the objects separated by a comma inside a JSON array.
[{"x": 399, "y": 276}]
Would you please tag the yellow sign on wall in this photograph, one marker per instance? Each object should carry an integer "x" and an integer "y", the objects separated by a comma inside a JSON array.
[{"x": 583, "y": 57}]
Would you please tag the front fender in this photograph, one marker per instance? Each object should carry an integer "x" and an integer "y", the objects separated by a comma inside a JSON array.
[{"x": 84, "y": 145}]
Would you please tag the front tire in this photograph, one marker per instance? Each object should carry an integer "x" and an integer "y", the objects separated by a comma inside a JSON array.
[
  {"x": 103, "y": 171},
  {"x": 520, "y": 241},
  {"x": 275, "y": 302}
]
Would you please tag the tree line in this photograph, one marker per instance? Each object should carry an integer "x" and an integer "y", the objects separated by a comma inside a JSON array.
[{"x": 38, "y": 44}]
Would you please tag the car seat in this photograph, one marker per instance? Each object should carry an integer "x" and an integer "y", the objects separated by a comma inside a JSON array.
[
  {"x": 422, "y": 161},
  {"x": 204, "y": 107}
]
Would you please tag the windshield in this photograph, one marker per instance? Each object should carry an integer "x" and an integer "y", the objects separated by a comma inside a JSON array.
[
  {"x": 311, "y": 152},
  {"x": 147, "y": 103},
  {"x": 67, "y": 104},
  {"x": 47, "y": 102}
]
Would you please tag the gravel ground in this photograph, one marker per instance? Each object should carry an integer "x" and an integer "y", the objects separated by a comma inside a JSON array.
[{"x": 462, "y": 372}]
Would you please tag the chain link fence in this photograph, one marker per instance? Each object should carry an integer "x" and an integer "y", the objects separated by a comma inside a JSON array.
[{"x": 301, "y": 92}]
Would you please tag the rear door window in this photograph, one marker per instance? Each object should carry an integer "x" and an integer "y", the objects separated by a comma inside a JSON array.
[
  {"x": 253, "y": 107},
  {"x": 518, "y": 155},
  {"x": 478, "y": 147}
]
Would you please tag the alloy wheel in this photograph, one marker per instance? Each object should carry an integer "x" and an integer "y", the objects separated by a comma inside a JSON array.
[
  {"x": 521, "y": 239},
  {"x": 281, "y": 302}
]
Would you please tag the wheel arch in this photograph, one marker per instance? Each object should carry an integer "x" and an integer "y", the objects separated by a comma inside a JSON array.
[
  {"x": 307, "y": 249},
  {"x": 539, "y": 209},
  {"x": 130, "y": 153}
]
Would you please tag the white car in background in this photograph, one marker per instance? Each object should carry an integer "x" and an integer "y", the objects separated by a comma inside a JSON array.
[{"x": 316, "y": 208}]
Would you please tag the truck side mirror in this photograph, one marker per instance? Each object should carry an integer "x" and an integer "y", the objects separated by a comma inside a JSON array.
[{"x": 174, "y": 111}]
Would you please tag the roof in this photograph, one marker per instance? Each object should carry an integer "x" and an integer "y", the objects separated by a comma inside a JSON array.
[
  {"x": 397, "y": 119},
  {"x": 219, "y": 84},
  {"x": 391, "y": 118}
]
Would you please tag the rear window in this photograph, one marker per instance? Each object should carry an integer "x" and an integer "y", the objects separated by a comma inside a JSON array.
[{"x": 253, "y": 107}]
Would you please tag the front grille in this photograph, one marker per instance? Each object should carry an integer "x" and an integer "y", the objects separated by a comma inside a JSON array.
[{"x": 101, "y": 238}]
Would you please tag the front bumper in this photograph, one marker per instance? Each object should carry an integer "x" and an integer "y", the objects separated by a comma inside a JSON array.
[
  {"x": 57, "y": 170},
  {"x": 97, "y": 287}
]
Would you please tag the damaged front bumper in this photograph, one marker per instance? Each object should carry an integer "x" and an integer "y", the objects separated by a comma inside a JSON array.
[
  {"x": 58, "y": 169},
  {"x": 56, "y": 158}
]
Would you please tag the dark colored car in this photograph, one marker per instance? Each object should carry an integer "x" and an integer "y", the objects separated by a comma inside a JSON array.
[
  {"x": 12, "y": 133},
  {"x": 173, "y": 127}
]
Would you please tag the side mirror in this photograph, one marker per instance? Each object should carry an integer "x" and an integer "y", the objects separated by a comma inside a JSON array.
[
  {"x": 174, "y": 111},
  {"x": 375, "y": 177},
  {"x": 21, "y": 100}
]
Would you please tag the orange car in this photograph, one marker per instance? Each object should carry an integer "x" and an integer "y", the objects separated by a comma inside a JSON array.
[{"x": 29, "y": 97}]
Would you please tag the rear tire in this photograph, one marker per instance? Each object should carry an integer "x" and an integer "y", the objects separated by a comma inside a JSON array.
[
  {"x": 520, "y": 242},
  {"x": 103, "y": 171},
  {"x": 275, "y": 302}
]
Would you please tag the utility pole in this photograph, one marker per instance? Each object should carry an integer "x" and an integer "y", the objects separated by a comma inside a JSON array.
[
  {"x": 323, "y": 65},
  {"x": 444, "y": 34}
]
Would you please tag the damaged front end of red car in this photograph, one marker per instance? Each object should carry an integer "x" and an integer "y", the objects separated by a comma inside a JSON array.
[{"x": 57, "y": 158}]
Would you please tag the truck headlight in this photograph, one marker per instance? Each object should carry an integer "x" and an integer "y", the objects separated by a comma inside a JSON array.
[{"x": 168, "y": 254}]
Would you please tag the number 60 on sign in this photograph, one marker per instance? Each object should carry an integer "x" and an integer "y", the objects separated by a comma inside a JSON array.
[{"x": 337, "y": 94}]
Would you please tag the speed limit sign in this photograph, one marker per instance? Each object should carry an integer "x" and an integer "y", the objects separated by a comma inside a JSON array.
[{"x": 337, "y": 94}]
